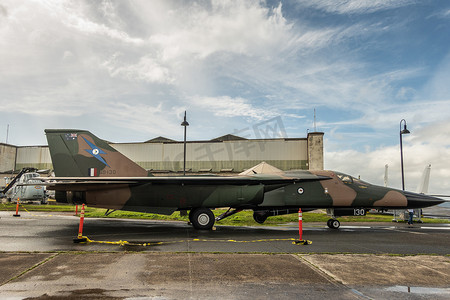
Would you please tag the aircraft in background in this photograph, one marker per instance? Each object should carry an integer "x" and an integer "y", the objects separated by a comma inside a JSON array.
[
  {"x": 88, "y": 170},
  {"x": 25, "y": 187},
  {"x": 422, "y": 188}
]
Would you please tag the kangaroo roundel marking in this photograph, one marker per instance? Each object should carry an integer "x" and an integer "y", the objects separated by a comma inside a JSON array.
[
  {"x": 300, "y": 191},
  {"x": 95, "y": 152}
]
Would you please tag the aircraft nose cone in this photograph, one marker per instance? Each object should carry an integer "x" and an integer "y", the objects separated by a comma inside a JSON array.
[{"x": 421, "y": 200}]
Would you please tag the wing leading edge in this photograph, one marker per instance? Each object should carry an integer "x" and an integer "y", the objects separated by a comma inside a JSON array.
[{"x": 69, "y": 183}]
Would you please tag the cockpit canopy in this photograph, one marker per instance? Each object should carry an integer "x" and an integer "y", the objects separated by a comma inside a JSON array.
[
  {"x": 347, "y": 179},
  {"x": 28, "y": 176}
]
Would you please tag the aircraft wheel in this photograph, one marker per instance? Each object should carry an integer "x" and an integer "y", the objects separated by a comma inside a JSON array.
[
  {"x": 202, "y": 218},
  {"x": 190, "y": 215},
  {"x": 333, "y": 223},
  {"x": 259, "y": 217}
]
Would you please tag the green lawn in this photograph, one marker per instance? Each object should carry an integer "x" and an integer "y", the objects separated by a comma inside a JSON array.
[{"x": 243, "y": 218}]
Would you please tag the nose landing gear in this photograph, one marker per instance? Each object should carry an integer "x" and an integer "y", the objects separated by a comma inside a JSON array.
[{"x": 333, "y": 223}]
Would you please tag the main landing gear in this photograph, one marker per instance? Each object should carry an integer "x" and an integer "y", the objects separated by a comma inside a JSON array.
[
  {"x": 202, "y": 218},
  {"x": 259, "y": 217},
  {"x": 333, "y": 223}
]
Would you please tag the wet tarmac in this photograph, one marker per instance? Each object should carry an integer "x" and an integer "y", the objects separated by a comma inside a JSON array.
[
  {"x": 142, "y": 259},
  {"x": 55, "y": 232}
]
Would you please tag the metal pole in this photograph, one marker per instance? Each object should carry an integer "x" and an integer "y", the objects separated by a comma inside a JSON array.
[
  {"x": 184, "y": 124},
  {"x": 401, "y": 161},
  {"x": 404, "y": 131},
  {"x": 184, "y": 153}
]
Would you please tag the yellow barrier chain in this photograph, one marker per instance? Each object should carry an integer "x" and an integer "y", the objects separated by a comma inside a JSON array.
[
  {"x": 34, "y": 214},
  {"x": 126, "y": 243}
]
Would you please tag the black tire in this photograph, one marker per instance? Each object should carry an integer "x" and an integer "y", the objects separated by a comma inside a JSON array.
[
  {"x": 334, "y": 224},
  {"x": 259, "y": 217},
  {"x": 202, "y": 218},
  {"x": 190, "y": 215},
  {"x": 329, "y": 223}
]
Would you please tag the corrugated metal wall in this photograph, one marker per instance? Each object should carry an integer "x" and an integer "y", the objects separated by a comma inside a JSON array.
[
  {"x": 7, "y": 157},
  {"x": 37, "y": 157},
  {"x": 285, "y": 154},
  {"x": 236, "y": 155}
]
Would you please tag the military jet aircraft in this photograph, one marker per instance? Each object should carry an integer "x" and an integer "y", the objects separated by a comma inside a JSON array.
[{"x": 88, "y": 170}]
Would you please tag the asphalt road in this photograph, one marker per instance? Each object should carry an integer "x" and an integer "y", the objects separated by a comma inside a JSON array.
[
  {"x": 142, "y": 259},
  {"x": 55, "y": 232}
]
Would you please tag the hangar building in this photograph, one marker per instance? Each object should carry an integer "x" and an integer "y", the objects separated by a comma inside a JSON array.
[{"x": 228, "y": 153}]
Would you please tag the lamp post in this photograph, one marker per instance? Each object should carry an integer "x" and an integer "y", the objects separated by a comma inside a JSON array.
[
  {"x": 404, "y": 131},
  {"x": 184, "y": 124}
]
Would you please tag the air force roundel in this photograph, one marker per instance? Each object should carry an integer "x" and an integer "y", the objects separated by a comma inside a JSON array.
[{"x": 95, "y": 151}]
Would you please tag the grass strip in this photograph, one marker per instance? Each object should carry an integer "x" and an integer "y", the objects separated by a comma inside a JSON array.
[{"x": 244, "y": 218}]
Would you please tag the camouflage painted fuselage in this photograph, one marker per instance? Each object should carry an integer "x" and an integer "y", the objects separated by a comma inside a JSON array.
[
  {"x": 92, "y": 172},
  {"x": 335, "y": 193}
]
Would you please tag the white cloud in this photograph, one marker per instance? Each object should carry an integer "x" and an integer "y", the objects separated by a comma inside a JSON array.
[
  {"x": 437, "y": 86},
  {"x": 435, "y": 133},
  {"x": 389, "y": 114},
  {"x": 3, "y": 11},
  {"x": 138, "y": 64},
  {"x": 260, "y": 42},
  {"x": 429, "y": 144},
  {"x": 73, "y": 15},
  {"x": 230, "y": 26},
  {"x": 147, "y": 69},
  {"x": 446, "y": 13},
  {"x": 356, "y": 6},
  {"x": 442, "y": 13},
  {"x": 370, "y": 165},
  {"x": 147, "y": 119},
  {"x": 226, "y": 106}
]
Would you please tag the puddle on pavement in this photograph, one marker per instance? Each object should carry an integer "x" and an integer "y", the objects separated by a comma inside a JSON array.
[{"x": 419, "y": 290}]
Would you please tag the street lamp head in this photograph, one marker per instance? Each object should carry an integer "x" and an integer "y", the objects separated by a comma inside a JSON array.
[
  {"x": 185, "y": 123},
  {"x": 405, "y": 130}
]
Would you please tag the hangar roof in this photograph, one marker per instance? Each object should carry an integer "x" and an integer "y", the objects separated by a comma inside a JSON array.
[
  {"x": 228, "y": 137},
  {"x": 160, "y": 139}
]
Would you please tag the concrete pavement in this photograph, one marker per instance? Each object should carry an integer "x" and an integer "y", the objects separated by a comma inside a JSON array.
[
  {"x": 170, "y": 260},
  {"x": 150, "y": 275}
]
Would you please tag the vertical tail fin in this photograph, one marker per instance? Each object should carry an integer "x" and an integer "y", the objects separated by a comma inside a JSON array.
[
  {"x": 424, "y": 181},
  {"x": 79, "y": 153},
  {"x": 386, "y": 175}
]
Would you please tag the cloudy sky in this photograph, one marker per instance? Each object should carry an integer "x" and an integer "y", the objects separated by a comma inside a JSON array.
[{"x": 127, "y": 71}]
